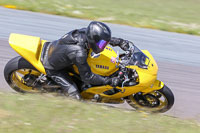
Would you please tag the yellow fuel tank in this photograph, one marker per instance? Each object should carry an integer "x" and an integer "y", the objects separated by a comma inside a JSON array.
[{"x": 101, "y": 63}]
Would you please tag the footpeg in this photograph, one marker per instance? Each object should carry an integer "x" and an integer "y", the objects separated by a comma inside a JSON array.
[{"x": 96, "y": 98}]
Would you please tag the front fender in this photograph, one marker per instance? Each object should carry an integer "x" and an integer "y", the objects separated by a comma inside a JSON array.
[{"x": 157, "y": 85}]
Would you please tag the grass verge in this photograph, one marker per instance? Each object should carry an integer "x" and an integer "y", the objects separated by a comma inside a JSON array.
[
  {"x": 168, "y": 15},
  {"x": 48, "y": 114}
]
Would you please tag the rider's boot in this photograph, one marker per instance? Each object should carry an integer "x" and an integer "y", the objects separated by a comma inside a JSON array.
[{"x": 68, "y": 89}]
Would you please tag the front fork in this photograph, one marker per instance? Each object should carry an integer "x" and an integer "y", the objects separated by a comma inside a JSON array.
[{"x": 157, "y": 85}]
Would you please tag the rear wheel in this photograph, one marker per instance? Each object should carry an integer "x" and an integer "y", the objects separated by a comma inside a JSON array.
[
  {"x": 21, "y": 75},
  {"x": 156, "y": 101}
]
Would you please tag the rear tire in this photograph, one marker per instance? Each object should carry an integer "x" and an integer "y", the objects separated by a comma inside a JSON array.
[{"x": 12, "y": 67}]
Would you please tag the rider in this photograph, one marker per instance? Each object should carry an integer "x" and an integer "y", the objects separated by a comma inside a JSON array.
[{"x": 73, "y": 48}]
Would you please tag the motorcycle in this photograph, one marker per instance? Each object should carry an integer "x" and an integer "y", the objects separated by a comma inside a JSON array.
[{"x": 136, "y": 68}]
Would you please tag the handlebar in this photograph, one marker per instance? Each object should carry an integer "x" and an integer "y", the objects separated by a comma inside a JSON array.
[{"x": 129, "y": 54}]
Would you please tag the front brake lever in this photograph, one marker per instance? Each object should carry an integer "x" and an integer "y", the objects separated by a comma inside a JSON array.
[{"x": 126, "y": 80}]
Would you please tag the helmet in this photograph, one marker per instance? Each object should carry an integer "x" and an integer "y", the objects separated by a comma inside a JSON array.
[{"x": 98, "y": 36}]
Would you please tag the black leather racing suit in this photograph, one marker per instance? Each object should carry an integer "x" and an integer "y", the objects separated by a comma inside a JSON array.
[{"x": 71, "y": 49}]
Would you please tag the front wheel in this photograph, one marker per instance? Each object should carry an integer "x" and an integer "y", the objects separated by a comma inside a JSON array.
[{"x": 157, "y": 101}]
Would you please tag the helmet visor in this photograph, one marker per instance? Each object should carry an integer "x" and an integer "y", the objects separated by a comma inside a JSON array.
[{"x": 102, "y": 44}]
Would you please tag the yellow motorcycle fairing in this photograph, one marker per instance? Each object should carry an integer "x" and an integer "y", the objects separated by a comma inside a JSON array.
[
  {"x": 101, "y": 63},
  {"x": 149, "y": 75},
  {"x": 29, "y": 47},
  {"x": 147, "y": 82},
  {"x": 125, "y": 91}
]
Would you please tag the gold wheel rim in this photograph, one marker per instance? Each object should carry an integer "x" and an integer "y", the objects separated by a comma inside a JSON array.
[
  {"x": 17, "y": 80},
  {"x": 163, "y": 102}
]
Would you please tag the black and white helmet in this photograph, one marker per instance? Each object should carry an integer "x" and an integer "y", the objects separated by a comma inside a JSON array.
[{"x": 98, "y": 36}]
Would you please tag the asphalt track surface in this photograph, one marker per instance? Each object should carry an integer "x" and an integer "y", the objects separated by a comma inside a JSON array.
[{"x": 178, "y": 55}]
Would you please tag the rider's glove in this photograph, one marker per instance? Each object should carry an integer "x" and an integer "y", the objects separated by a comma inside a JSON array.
[
  {"x": 113, "y": 81},
  {"x": 123, "y": 44}
]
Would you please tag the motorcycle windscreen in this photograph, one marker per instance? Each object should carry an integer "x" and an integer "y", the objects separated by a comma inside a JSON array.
[{"x": 139, "y": 59}]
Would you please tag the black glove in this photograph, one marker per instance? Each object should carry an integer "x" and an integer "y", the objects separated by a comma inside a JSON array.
[
  {"x": 123, "y": 44},
  {"x": 116, "y": 41},
  {"x": 113, "y": 81}
]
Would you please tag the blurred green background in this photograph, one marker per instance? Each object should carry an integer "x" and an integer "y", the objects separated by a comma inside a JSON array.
[{"x": 169, "y": 15}]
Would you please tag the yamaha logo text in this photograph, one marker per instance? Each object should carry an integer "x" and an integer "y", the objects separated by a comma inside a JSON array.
[{"x": 102, "y": 67}]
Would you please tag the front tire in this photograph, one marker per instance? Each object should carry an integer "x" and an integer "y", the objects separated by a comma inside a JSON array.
[
  {"x": 157, "y": 101},
  {"x": 15, "y": 71}
]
